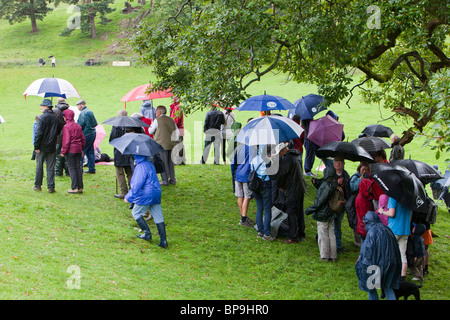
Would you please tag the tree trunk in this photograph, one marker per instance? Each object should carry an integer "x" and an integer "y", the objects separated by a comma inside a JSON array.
[
  {"x": 93, "y": 31},
  {"x": 33, "y": 18}
]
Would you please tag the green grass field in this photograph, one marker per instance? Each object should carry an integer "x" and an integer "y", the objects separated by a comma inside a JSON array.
[{"x": 84, "y": 247}]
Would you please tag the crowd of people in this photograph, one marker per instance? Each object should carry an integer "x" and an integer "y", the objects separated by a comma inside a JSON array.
[{"x": 379, "y": 223}]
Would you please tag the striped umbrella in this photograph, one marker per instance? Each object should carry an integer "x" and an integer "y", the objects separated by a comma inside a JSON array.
[
  {"x": 51, "y": 87},
  {"x": 269, "y": 130}
]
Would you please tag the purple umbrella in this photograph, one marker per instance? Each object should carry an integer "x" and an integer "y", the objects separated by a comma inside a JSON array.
[{"x": 325, "y": 130}]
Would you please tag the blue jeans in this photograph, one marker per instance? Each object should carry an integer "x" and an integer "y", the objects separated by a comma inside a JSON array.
[
  {"x": 263, "y": 200},
  {"x": 338, "y": 229},
  {"x": 89, "y": 152}
]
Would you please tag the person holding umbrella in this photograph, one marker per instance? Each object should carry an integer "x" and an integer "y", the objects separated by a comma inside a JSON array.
[
  {"x": 47, "y": 130},
  {"x": 122, "y": 162},
  {"x": 145, "y": 193}
]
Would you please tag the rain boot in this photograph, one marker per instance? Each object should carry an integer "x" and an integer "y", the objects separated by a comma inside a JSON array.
[
  {"x": 162, "y": 235},
  {"x": 144, "y": 226}
]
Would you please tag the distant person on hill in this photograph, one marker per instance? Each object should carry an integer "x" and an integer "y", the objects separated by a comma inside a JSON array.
[
  {"x": 41, "y": 62},
  {"x": 53, "y": 61}
]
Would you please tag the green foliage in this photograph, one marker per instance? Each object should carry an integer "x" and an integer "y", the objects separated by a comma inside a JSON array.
[
  {"x": 227, "y": 45},
  {"x": 16, "y": 11},
  {"x": 87, "y": 12}
]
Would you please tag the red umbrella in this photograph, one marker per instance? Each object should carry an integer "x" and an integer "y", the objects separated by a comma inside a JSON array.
[
  {"x": 325, "y": 130},
  {"x": 140, "y": 93}
]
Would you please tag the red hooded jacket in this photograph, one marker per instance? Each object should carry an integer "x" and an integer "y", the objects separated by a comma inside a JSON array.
[
  {"x": 73, "y": 138},
  {"x": 363, "y": 204}
]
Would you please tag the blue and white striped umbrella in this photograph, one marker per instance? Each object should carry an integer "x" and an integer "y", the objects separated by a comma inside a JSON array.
[
  {"x": 51, "y": 87},
  {"x": 269, "y": 130},
  {"x": 265, "y": 102}
]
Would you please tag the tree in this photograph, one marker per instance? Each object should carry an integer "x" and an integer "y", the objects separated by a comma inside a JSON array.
[
  {"x": 89, "y": 10},
  {"x": 18, "y": 10},
  {"x": 221, "y": 47}
]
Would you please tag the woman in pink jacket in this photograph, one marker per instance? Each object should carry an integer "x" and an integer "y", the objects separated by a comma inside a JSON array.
[{"x": 73, "y": 144}]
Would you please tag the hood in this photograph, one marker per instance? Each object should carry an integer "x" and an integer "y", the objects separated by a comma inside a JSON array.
[
  {"x": 294, "y": 152},
  {"x": 364, "y": 187},
  {"x": 329, "y": 173},
  {"x": 420, "y": 229},
  {"x": 371, "y": 219},
  {"x": 140, "y": 159},
  {"x": 62, "y": 106},
  {"x": 69, "y": 114},
  {"x": 147, "y": 104}
]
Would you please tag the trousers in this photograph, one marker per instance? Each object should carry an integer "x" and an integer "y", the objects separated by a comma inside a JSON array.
[{"x": 50, "y": 159}]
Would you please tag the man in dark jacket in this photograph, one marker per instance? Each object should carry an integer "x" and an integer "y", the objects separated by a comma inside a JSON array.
[
  {"x": 291, "y": 181},
  {"x": 88, "y": 123},
  {"x": 61, "y": 164},
  {"x": 47, "y": 130},
  {"x": 214, "y": 120}
]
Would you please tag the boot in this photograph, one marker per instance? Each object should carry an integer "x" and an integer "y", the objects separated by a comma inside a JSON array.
[
  {"x": 144, "y": 226},
  {"x": 162, "y": 235}
]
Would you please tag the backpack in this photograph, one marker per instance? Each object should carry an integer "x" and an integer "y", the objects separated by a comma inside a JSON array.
[
  {"x": 254, "y": 182},
  {"x": 333, "y": 202},
  {"x": 432, "y": 211}
]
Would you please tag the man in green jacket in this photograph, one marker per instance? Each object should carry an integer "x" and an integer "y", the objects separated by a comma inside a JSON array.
[{"x": 87, "y": 121}]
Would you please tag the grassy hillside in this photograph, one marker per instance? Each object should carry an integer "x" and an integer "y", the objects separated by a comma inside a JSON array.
[{"x": 20, "y": 47}]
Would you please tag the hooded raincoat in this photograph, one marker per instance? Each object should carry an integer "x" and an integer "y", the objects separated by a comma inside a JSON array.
[
  {"x": 363, "y": 204},
  {"x": 73, "y": 139},
  {"x": 379, "y": 263},
  {"x": 145, "y": 187}
]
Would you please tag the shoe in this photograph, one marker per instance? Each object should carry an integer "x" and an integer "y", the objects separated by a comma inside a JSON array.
[
  {"x": 51, "y": 190},
  {"x": 80, "y": 191},
  {"x": 162, "y": 235},
  {"x": 119, "y": 196},
  {"x": 247, "y": 223},
  {"x": 289, "y": 241},
  {"x": 268, "y": 238},
  {"x": 36, "y": 188},
  {"x": 144, "y": 227},
  {"x": 310, "y": 174},
  {"x": 72, "y": 191},
  {"x": 89, "y": 172},
  {"x": 260, "y": 235}
]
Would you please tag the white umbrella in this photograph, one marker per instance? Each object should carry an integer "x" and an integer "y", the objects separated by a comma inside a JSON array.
[{"x": 51, "y": 87}]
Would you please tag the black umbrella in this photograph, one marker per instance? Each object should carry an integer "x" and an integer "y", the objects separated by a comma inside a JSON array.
[
  {"x": 137, "y": 144},
  {"x": 377, "y": 130},
  {"x": 125, "y": 121},
  {"x": 344, "y": 149},
  {"x": 401, "y": 184},
  {"x": 372, "y": 144},
  {"x": 422, "y": 170}
]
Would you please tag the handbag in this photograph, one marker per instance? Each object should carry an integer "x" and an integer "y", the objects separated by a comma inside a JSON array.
[{"x": 254, "y": 182}]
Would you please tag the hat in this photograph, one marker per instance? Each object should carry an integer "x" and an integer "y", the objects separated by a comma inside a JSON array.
[
  {"x": 280, "y": 147},
  {"x": 81, "y": 102},
  {"x": 47, "y": 103}
]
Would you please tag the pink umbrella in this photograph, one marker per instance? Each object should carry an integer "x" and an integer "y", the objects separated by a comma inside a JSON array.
[
  {"x": 325, "y": 130},
  {"x": 101, "y": 134},
  {"x": 140, "y": 93}
]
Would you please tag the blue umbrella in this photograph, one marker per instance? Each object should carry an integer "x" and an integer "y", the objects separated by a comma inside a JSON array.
[
  {"x": 269, "y": 130},
  {"x": 137, "y": 144},
  {"x": 308, "y": 106},
  {"x": 265, "y": 102}
]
